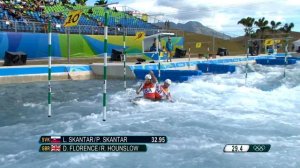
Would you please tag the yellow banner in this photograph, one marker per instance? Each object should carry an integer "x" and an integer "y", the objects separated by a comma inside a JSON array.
[
  {"x": 72, "y": 18},
  {"x": 161, "y": 54},
  {"x": 139, "y": 35},
  {"x": 277, "y": 41},
  {"x": 198, "y": 45},
  {"x": 145, "y": 17},
  {"x": 269, "y": 42}
]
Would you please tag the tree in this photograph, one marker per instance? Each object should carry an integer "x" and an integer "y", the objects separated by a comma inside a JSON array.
[
  {"x": 287, "y": 28},
  {"x": 248, "y": 24},
  {"x": 274, "y": 26},
  {"x": 262, "y": 24},
  {"x": 65, "y": 2},
  {"x": 100, "y": 2},
  {"x": 81, "y": 2}
]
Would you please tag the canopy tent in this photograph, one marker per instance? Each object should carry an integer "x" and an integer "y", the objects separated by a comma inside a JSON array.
[
  {"x": 152, "y": 47},
  {"x": 296, "y": 45},
  {"x": 149, "y": 40}
]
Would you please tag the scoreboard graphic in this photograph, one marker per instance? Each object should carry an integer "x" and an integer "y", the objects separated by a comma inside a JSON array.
[
  {"x": 241, "y": 148},
  {"x": 98, "y": 143}
]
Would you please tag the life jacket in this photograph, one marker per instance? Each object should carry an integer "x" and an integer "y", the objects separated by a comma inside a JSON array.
[
  {"x": 161, "y": 92},
  {"x": 149, "y": 90}
]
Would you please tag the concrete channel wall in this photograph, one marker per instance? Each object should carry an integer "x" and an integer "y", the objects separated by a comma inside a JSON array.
[
  {"x": 24, "y": 74},
  {"x": 114, "y": 71}
]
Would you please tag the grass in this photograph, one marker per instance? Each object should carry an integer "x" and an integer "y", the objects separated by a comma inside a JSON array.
[{"x": 235, "y": 46}]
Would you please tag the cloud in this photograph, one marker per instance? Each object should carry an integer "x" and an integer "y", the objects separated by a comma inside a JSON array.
[{"x": 219, "y": 14}]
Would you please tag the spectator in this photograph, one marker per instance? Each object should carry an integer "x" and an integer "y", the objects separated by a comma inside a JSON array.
[
  {"x": 5, "y": 17},
  {"x": 115, "y": 9},
  {"x": 25, "y": 21},
  {"x": 90, "y": 11},
  {"x": 119, "y": 25},
  {"x": 100, "y": 24},
  {"x": 169, "y": 47},
  {"x": 153, "y": 47},
  {"x": 18, "y": 15}
]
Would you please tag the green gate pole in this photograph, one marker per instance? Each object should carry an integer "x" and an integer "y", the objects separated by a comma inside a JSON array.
[
  {"x": 285, "y": 57},
  {"x": 49, "y": 68},
  {"x": 124, "y": 57},
  {"x": 189, "y": 57},
  {"x": 247, "y": 56},
  {"x": 105, "y": 66},
  {"x": 159, "y": 48}
]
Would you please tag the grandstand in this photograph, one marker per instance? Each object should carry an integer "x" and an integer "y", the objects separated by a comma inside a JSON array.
[{"x": 29, "y": 16}]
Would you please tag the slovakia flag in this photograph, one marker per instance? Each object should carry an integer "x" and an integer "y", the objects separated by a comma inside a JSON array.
[{"x": 55, "y": 139}]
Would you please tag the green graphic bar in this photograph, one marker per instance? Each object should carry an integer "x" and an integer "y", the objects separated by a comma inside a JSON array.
[
  {"x": 259, "y": 147},
  {"x": 93, "y": 148}
]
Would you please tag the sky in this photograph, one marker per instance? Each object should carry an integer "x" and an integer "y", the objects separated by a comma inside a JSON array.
[{"x": 220, "y": 15}]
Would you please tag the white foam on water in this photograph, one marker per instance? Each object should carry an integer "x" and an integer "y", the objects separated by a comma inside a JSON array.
[
  {"x": 84, "y": 157},
  {"x": 209, "y": 112},
  {"x": 35, "y": 105},
  {"x": 11, "y": 159}
]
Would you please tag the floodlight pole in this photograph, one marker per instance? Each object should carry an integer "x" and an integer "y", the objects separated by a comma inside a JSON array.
[{"x": 49, "y": 67}]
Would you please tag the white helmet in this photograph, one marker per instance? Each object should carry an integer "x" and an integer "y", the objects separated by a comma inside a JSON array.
[
  {"x": 168, "y": 81},
  {"x": 148, "y": 76}
]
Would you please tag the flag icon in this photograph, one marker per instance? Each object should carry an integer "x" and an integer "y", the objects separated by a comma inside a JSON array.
[
  {"x": 55, "y": 148},
  {"x": 55, "y": 139}
]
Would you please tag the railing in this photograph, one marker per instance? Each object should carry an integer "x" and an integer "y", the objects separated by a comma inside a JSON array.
[{"x": 37, "y": 27}]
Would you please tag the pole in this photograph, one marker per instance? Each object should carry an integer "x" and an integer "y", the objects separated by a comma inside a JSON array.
[
  {"x": 124, "y": 57},
  {"x": 158, "y": 48},
  {"x": 213, "y": 45},
  {"x": 68, "y": 41},
  {"x": 189, "y": 57},
  {"x": 207, "y": 53},
  {"x": 49, "y": 68},
  {"x": 285, "y": 57},
  {"x": 247, "y": 56},
  {"x": 105, "y": 65}
]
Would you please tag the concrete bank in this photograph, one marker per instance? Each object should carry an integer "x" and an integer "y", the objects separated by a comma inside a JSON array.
[
  {"x": 25, "y": 74},
  {"x": 115, "y": 70}
]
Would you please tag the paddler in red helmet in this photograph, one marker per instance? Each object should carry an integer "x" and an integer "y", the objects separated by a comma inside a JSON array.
[{"x": 148, "y": 87}]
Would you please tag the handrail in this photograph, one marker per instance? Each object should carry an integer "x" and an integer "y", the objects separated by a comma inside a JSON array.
[{"x": 38, "y": 27}]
